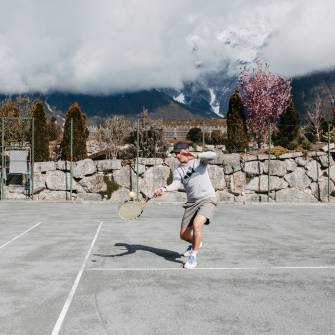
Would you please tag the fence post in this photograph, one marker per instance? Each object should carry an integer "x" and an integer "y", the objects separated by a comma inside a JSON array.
[
  {"x": 269, "y": 162},
  {"x": 71, "y": 156},
  {"x": 137, "y": 154},
  {"x": 328, "y": 162},
  {"x": 2, "y": 154},
  {"x": 32, "y": 157}
]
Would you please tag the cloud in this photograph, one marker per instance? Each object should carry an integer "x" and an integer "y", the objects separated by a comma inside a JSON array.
[{"x": 110, "y": 46}]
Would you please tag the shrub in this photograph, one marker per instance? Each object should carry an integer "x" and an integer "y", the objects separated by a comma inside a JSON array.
[{"x": 112, "y": 186}]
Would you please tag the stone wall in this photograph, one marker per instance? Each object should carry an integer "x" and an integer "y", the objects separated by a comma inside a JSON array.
[{"x": 294, "y": 177}]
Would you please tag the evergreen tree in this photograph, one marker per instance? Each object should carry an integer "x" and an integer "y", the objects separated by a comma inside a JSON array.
[
  {"x": 288, "y": 126},
  {"x": 236, "y": 125},
  {"x": 53, "y": 129},
  {"x": 194, "y": 135},
  {"x": 41, "y": 138},
  {"x": 80, "y": 134}
]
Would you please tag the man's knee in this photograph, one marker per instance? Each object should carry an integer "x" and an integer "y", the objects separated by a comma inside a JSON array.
[{"x": 198, "y": 222}]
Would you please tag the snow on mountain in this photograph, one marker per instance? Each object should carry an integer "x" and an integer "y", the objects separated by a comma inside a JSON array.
[
  {"x": 48, "y": 107},
  {"x": 180, "y": 98},
  {"x": 214, "y": 103}
]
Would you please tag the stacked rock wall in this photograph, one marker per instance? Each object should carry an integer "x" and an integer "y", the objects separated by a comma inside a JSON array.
[{"x": 294, "y": 177}]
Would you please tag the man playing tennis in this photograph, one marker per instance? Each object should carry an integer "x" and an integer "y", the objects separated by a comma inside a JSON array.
[{"x": 192, "y": 173}]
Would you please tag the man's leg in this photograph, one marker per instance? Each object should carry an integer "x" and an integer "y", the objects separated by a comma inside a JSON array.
[
  {"x": 186, "y": 234},
  {"x": 198, "y": 222}
]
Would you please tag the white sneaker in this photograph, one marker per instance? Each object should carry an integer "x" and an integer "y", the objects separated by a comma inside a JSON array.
[
  {"x": 188, "y": 251},
  {"x": 191, "y": 262}
]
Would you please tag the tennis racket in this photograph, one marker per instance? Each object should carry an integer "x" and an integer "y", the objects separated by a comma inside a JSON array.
[{"x": 131, "y": 210}]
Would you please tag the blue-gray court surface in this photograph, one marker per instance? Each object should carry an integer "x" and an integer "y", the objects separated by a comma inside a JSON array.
[{"x": 78, "y": 269}]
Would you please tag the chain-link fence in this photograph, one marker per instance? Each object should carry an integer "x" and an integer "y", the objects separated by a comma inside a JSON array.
[
  {"x": 133, "y": 158},
  {"x": 17, "y": 157}
]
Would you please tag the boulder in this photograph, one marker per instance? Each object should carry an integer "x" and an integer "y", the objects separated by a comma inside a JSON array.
[
  {"x": 277, "y": 168},
  {"x": 301, "y": 161},
  {"x": 171, "y": 162},
  {"x": 42, "y": 167},
  {"x": 325, "y": 147},
  {"x": 84, "y": 168},
  {"x": 89, "y": 196},
  {"x": 248, "y": 158},
  {"x": 94, "y": 184},
  {"x": 219, "y": 158},
  {"x": 59, "y": 181},
  {"x": 122, "y": 176},
  {"x": 320, "y": 189},
  {"x": 323, "y": 160},
  {"x": 231, "y": 163},
  {"x": 15, "y": 189},
  {"x": 291, "y": 155},
  {"x": 153, "y": 178},
  {"x": 55, "y": 195},
  {"x": 265, "y": 157},
  {"x": 39, "y": 182},
  {"x": 237, "y": 182},
  {"x": 150, "y": 161},
  {"x": 253, "y": 168},
  {"x": 224, "y": 196},
  {"x": 313, "y": 170},
  {"x": 260, "y": 184},
  {"x": 64, "y": 165},
  {"x": 13, "y": 195},
  {"x": 298, "y": 179},
  {"x": 331, "y": 172},
  {"x": 291, "y": 165},
  {"x": 254, "y": 197},
  {"x": 217, "y": 177},
  {"x": 294, "y": 195},
  {"x": 120, "y": 195},
  {"x": 107, "y": 165}
]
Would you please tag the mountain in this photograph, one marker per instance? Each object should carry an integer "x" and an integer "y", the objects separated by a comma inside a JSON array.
[
  {"x": 206, "y": 98},
  {"x": 307, "y": 89}
]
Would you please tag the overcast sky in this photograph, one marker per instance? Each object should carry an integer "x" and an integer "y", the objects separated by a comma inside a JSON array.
[{"x": 109, "y": 46}]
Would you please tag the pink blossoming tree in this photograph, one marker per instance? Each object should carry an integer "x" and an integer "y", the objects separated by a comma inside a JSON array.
[{"x": 265, "y": 96}]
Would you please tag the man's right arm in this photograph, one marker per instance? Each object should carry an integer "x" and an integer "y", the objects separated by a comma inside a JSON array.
[{"x": 174, "y": 186}]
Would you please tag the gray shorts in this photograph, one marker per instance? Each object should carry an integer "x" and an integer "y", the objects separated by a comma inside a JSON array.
[{"x": 205, "y": 207}]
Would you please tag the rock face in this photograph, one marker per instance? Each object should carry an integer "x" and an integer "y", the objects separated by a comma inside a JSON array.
[
  {"x": 260, "y": 184},
  {"x": 42, "y": 167},
  {"x": 217, "y": 177},
  {"x": 231, "y": 163},
  {"x": 253, "y": 168},
  {"x": 294, "y": 195},
  {"x": 298, "y": 179},
  {"x": 108, "y": 165},
  {"x": 237, "y": 183},
  {"x": 94, "y": 184},
  {"x": 59, "y": 181},
  {"x": 153, "y": 178},
  {"x": 84, "y": 168},
  {"x": 294, "y": 177},
  {"x": 277, "y": 168}
]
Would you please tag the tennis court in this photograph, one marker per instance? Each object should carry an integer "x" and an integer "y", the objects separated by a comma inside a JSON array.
[{"x": 78, "y": 269}]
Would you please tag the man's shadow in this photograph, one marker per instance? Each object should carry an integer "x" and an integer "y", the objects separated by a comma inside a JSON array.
[{"x": 168, "y": 255}]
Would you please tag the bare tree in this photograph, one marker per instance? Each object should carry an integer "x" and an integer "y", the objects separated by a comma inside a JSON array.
[
  {"x": 113, "y": 133},
  {"x": 15, "y": 113},
  {"x": 316, "y": 120}
]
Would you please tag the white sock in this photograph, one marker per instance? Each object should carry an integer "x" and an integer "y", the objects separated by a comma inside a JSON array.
[{"x": 194, "y": 253}]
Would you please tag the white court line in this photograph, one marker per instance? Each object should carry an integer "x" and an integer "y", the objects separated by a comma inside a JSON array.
[
  {"x": 18, "y": 236},
  {"x": 222, "y": 269},
  {"x": 69, "y": 299}
]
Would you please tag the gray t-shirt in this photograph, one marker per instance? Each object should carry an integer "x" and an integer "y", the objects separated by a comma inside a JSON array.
[{"x": 194, "y": 177}]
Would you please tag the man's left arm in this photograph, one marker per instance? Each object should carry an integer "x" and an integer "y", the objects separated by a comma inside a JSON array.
[{"x": 206, "y": 156}]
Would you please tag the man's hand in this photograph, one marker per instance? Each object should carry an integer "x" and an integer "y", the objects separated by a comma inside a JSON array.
[
  {"x": 188, "y": 154},
  {"x": 159, "y": 191}
]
